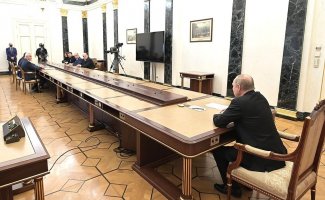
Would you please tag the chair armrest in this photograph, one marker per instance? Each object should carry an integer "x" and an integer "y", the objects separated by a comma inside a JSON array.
[
  {"x": 289, "y": 136},
  {"x": 263, "y": 153},
  {"x": 257, "y": 152}
]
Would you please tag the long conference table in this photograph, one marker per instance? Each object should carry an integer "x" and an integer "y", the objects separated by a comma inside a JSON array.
[{"x": 168, "y": 122}]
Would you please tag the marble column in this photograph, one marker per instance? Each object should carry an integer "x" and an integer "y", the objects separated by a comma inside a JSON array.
[
  {"x": 115, "y": 12},
  {"x": 85, "y": 30},
  {"x": 65, "y": 38},
  {"x": 292, "y": 54},
  {"x": 146, "y": 30},
  {"x": 104, "y": 34},
  {"x": 236, "y": 43},
  {"x": 168, "y": 42}
]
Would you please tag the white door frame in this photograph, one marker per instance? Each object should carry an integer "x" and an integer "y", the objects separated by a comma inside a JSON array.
[{"x": 33, "y": 34}]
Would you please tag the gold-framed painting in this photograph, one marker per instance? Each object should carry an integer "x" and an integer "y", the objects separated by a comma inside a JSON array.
[
  {"x": 131, "y": 36},
  {"x": 201, "y": 30}
]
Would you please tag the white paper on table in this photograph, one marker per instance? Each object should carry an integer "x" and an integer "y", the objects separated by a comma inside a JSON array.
[{"x": 216, "y": 106}]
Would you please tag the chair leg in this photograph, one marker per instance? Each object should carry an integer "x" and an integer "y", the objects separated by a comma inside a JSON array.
[
  {"x": 229, "y": 185},
  {"x": 313, "y": 192}
]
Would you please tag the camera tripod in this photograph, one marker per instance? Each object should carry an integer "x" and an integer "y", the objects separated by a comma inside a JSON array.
[{"x": 117, "y": 62}]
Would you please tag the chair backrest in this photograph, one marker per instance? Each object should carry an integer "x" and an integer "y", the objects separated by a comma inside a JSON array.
[
  {"x": 22, "y": 73},
  {"x": 15, "y": 69},
  {"x": 94, "y": 61},
  {"x": 310, "y": 145}
]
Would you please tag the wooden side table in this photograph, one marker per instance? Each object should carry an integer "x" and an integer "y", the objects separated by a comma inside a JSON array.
[
  {"x": 200, "y": 81},
  {"x": 23, "y": 161}
]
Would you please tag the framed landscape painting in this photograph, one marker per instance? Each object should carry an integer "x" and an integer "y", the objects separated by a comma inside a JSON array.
[
  {"x": 131, "y": 35},
  {"x": 201, "y": 30}
]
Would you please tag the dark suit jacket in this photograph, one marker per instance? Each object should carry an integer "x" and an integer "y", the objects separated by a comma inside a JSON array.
[
  {"x": 72, "y": 59},
  {"x": 29, "y": 67},
  {"x": 88, "y": 63},
  {"x": 78, "y": 62},
  {"x": 12, "y": 53},
  {"x": 254, "y": 126}
]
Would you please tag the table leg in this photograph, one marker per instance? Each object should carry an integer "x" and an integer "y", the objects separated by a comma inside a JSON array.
[
  {"x": 187, "y": 179},
  {"x": 92, "y": 126},
  {"x": 200, "y": 86},
  {"x": 60, "y": 97},
  {"x": 91, "y": 115},
  {"x": 39, "y": 188},
  {"x": 182, "y": 82},
  {"x": 6, "y": 193}
]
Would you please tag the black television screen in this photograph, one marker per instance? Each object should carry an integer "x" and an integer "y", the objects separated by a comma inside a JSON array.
[{"x": 150, "y": 47}]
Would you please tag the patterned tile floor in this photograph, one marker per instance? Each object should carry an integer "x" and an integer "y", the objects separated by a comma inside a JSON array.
[{"x": 85, "y": 166}]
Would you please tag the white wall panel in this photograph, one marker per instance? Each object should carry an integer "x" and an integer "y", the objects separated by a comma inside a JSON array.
[
  {"x": 95, "y": 33},
  {"x": 75, "y": 32},
  {"x": 202, "y": 56},
  {"x": 263, "y": 44},
  {"x": 133, "y": 12}
]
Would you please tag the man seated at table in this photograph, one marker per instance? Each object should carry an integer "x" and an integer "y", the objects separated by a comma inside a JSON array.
[
  {"x": 87, "y": 62},
  {"x": 28, "y": 66},
  {"x": 71, "y": 58},
  {"x": 78, "y": 60},
  {"x": 253, "y": 120}
]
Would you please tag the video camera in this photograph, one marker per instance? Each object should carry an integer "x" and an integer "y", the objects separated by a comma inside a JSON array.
[{"x": 115, "y": 49}]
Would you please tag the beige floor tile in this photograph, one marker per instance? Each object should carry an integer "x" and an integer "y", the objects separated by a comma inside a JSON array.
[
  {"x": 72, "y": 186},
  {"x": 91, "y": 162},
  {"x": 157, "y": 195},
  {"x": 210, "y": 197},
  {"x": 115, "y": 190}
]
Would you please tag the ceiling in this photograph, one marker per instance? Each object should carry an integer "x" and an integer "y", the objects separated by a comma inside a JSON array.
[
  {"x": 79, "y": 2},
  {"x": 68, "y": 2}
]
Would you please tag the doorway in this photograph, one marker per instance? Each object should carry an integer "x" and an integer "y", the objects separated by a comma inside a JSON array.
[{"x": 29, "y": 36}]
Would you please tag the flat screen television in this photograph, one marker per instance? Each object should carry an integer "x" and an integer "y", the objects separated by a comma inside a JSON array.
[{"x": 150, "y": 47}]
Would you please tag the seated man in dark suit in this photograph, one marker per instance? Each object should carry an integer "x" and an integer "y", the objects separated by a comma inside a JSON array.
[
  {"x": 27, "y": 66},
  {"x": 87, "y": 62},
  {"x": 78, "y": 60},
  {"x": 251, "y": 114},
  {"x": 20, "y": 62},
  {"x": 66, "y": 58},
  {"x": 71, "y": 58}
]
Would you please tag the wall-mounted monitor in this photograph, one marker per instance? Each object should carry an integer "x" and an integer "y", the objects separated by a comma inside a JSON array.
[{"x": 150, "y": 47}]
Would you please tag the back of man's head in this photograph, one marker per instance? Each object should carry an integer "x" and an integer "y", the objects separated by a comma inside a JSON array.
[
  {"x": 28, "y": 56},
  {"x": 245, "y": 81}
]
